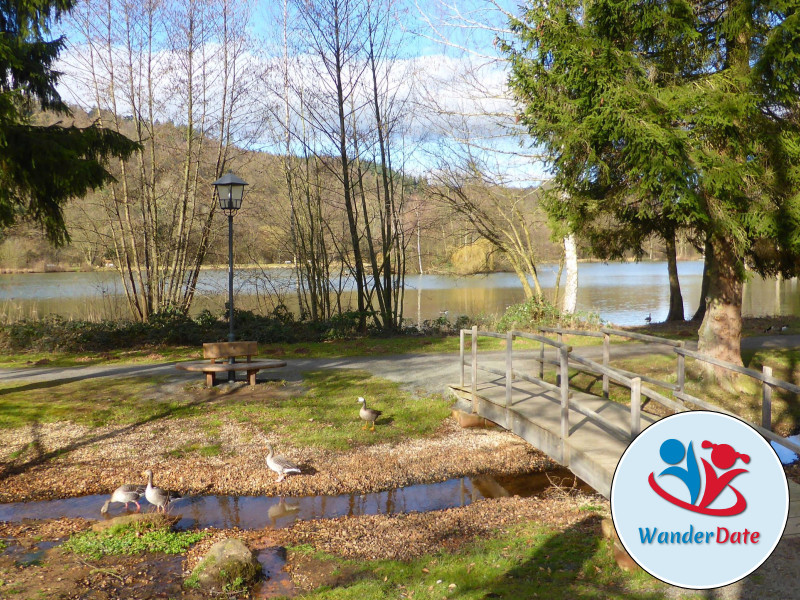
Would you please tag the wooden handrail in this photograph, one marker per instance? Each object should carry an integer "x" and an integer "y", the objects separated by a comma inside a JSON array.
[
  {"x": 620, "y": 376},
  {"x": 643, "y": 337},
  {"x": 542, "y": 338},
  {"x": 773, "y": 381},
  {"x": 571, "y": 331}
]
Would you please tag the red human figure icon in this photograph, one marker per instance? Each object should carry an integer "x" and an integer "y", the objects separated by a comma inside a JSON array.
[{"x": 724, "y": 457}]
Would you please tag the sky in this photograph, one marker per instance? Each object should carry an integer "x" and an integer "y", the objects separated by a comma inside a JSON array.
[{"x": 445, "y": 69}]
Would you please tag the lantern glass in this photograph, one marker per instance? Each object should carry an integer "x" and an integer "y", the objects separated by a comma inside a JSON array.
[{"x": 230, "y": 190}]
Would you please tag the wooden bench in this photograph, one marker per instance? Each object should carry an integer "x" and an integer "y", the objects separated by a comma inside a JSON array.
[{"x": 223, "y": 351}]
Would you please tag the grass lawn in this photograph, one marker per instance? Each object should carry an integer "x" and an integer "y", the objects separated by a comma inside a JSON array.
[
  {"x": 318, "y": 413},
  {"x": 524, "y": 561}
]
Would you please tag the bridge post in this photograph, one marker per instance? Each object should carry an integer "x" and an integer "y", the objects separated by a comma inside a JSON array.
[
  {"x": 636, "y": 406},
  {"x": 766, "y": 400},
  {"x": 461, "y": 354},
  {"x": 564, "y": 384},
  {"x": 541, "y": 359},
  {"x": 681, "y": 368},
  {"x": 606, "y": 360},
  {"x": 474, "y": 368},
  {"x": 509, "y": 368}
]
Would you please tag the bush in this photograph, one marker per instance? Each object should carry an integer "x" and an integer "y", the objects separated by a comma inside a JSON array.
[
  {"x": 539, "y": 312},
  {"x": 169, "y": 327}
]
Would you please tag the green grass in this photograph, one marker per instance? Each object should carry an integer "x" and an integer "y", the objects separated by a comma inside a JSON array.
[
  {"x": 93, "y": 402},
  {"x": 206, "y": 450},
  {"x": 527, "y": 561},
  {"x": 326, "y": 416},
  {"x": 132, "y": 538},
  {"x": 323, "y": 412}
]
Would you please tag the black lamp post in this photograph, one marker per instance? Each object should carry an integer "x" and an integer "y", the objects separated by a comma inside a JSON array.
[{"x": 229, "y": 190}]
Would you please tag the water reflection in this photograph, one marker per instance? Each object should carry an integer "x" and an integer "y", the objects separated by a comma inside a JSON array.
[
  {"x": 622, "y": 293},
  {"x": 251, "y": 512}
]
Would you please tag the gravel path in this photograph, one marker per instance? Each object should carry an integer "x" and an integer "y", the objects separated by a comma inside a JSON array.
[{"x": 430, "y": 373}]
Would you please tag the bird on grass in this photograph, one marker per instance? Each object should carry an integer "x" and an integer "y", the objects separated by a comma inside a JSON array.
[
  {"x": 280, "y": 464},
  {"x": 648, "y": 318},
  {"x": 159, "y": 498},
  {"x": 126, "y": 493},
  {"x": 776, "y": 328},
  {"x": 368, "y": 415}
]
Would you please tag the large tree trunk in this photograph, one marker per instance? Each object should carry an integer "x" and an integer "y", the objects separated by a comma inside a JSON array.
[
  {"x": 571, "y": 285},
  {"x": 675, "y": 296},
  {"x": 721, "y": 331},
  {"x": 707, "y": 256}
]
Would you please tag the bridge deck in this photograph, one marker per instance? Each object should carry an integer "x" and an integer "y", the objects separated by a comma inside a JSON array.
[{"x": 591, "y": 451}]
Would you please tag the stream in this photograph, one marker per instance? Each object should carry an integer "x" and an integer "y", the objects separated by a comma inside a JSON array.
[{"x": 265, "y": 512}]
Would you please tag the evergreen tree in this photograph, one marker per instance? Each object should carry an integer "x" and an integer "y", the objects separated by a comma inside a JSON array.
[
  {"x": 42, "y": 167},
  {"x": 681, "y": 112}
]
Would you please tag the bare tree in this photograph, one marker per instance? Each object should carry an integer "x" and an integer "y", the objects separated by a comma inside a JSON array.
[{"x": 166, "y": 74}]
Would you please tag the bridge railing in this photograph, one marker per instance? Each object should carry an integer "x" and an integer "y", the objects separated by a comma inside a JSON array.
[
  {"x": 678, "y": 389},
  {"x": 566, "y": 360},
  {"x": 768, "y": 383},
  {"x": 561, "y": 386}
]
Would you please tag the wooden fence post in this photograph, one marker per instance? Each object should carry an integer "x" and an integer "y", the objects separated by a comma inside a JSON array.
[
  {"x": 541, "y": 358},
  {"x": 606, "y": 360},
  {"x": 636, "y": 406},
  {"x": 681, "y": 369},
  {"x": 564, "y": 377},
  {"x": 766, "y": 400},
  {"x": 474, "y": 367},
  {"x": 461, "y": 354},
  {"x": 509, "y": 367}
]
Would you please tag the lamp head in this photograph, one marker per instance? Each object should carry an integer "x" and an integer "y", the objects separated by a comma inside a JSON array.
[{"x": 229, "y": 190}]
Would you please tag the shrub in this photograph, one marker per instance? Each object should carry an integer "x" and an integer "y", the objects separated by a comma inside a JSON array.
[{"x": 539, "y": 312}]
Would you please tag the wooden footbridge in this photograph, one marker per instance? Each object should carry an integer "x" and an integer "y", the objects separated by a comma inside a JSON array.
[{"x": 585, "y": 432}]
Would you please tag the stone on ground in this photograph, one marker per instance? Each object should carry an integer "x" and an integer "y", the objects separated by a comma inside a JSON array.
[{"x": 229, "y": 562}]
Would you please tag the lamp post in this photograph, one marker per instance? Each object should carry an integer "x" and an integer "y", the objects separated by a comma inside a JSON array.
[{"x": 229, "y": 190}]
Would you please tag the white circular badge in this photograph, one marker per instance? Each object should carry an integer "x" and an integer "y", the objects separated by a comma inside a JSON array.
[{"x": 699, "y": 499}]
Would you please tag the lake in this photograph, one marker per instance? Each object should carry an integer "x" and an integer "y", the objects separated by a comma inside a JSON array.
[{"x": 621, "y": 293}]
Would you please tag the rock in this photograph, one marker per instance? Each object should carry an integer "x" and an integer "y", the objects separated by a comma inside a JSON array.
[{"x": 229, "y": 562}]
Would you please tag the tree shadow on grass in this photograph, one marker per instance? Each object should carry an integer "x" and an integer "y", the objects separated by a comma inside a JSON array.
[
  {"x": 13, "y": 467},
  {"x": 572, "y": 564}
]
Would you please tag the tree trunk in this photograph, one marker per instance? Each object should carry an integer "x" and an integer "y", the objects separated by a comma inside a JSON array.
[
  {"x": 721, "y": 331},
  {"x": 571, "y": 285},
  {"x": 675, "y": 296},
  {"x": 707, "y": 258}
]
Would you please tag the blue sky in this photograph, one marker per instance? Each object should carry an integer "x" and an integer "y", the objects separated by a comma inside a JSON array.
[{"x": 458, "y": 84}]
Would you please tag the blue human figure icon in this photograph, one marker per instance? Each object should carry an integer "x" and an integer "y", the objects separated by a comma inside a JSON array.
[{"x": 672, "y": 453}]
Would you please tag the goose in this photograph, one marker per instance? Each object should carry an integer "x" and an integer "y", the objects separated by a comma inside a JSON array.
[
  {"x": 648, "y": 318},
  {"x": 369, "y": 415},
  {"x": 156, "y": 496},
  {"x": 280, "y": 464},
  {"x": 126, "y": 493}
]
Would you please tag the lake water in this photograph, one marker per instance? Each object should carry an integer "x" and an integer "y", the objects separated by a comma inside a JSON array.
[{"x": 621, "y": 293}]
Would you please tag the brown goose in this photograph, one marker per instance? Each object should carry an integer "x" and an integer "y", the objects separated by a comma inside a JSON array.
[
  {"x": 126, "y": 493},
  {"x": 369, "y": 415},
  {"x": 156, "y": 496},
  {"x": 280, "y": 464}
]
